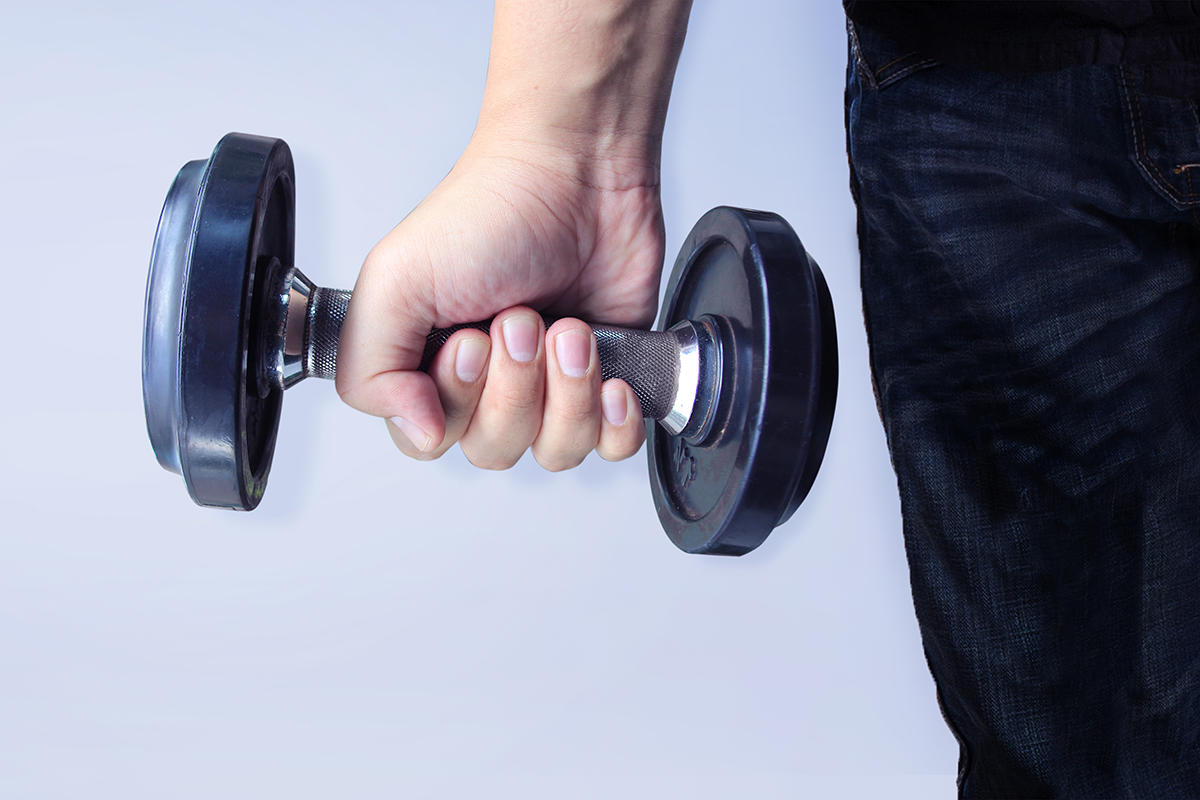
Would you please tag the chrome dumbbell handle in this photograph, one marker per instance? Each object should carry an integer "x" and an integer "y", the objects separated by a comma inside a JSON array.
[{"x": 674, "y": 373}]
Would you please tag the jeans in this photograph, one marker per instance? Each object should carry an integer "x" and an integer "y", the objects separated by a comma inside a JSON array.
[{"x": 1031, "y": 288}]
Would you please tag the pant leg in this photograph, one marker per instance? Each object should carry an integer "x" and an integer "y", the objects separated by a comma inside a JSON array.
[{"x": 1030, "y": 249}]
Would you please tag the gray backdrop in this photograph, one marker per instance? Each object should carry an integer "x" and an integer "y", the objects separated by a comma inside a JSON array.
[{"x": 379, "y": 627}]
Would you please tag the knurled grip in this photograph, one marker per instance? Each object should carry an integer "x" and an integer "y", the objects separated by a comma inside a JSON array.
[
  {"x": 649, "y": 361},
  {"x": 323, "y": 326}
]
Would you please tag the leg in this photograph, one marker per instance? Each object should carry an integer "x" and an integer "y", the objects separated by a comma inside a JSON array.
[{"x": 1029, "y": 257}]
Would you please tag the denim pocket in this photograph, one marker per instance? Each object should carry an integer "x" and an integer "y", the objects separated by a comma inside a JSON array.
[
  {"x": 879, "y": 61},
  {"x": 1164, "y": 140}
]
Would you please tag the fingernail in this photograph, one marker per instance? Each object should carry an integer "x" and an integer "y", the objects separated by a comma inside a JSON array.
[
  {"x": 418, "y": 437},
  {"x": 470, "y": 359},
  {"x": 574, "y": 351},
  {"x": 614, "y": 406},
  {"x": 521, "y": 336}
]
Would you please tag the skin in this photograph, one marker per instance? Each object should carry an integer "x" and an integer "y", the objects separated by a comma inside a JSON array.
[{"x": 554, "y": 205}]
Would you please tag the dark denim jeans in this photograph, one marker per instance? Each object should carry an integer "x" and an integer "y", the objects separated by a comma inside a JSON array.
[{"x": 1031, "y": 287}]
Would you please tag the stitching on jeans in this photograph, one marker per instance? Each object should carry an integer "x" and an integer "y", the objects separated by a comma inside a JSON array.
[
  {"x": 904, "y": 69},
  {"x": 1139, "y": 139},
  {"x": 1191, "y": 188},
  {"x": 910, "y": 69},
  {"x": 860, "y": 61},
  {"x": 1185, "y": 167},
  {"x": 1195, "y": 209},
  {"x": 1149, "y": 168},
  {"x": 893, "y": 62},
  {"x": 1181, "y": 168}
]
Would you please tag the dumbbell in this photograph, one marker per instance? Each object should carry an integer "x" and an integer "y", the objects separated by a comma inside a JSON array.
[{"x": 737, "y": 383}]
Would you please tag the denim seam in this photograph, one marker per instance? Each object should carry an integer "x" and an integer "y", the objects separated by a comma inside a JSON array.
[
  {"x": 860, "y": 61},
  {"x": 1191, "y": 187},
  {"x": 1186, "y": 169},
  {"x": 908, "y": 70},
  {"x": 893, "y": 62},
  {"x": 1141, "y": 155}
]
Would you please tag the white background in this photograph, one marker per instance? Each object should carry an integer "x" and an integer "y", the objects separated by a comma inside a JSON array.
[{"x": 379, "y": 627}]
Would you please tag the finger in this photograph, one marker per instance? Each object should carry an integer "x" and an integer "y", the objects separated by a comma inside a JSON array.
[
  {"x": 459, "y": 371},
  {"x": 509, "y": 413},
  {"x": 623, "y": 429},
  {"x": 571, "y": 422},
  {"x": 380, "y": 348}
]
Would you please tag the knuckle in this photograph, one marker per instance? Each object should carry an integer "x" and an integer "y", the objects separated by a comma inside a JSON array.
[
  {"x": 575, "y": 412},
  {"x": 518, "y": 400},
  {"x": 558, "y": 448},
  {"x": 558, "y": 462},
  {"x": 495, "y": 462},
  {"x": 494, "y": 450}
]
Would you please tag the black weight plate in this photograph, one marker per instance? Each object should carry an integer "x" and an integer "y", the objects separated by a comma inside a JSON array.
[
  {"x": 748, "y": 272},
  {"x": 245, "y": 216}
]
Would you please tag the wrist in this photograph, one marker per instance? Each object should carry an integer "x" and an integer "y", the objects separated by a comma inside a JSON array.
[
  {"x": 582, "y": 86},
  {"x": 550, "y": 155}
]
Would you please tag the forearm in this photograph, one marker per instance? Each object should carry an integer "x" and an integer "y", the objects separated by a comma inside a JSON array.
[{"x": 587, "y": 80}]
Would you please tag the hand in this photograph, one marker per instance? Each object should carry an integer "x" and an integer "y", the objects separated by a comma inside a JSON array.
[
  {"x": 503, "y": 230},
  {"x": 554, "y": 206}
]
